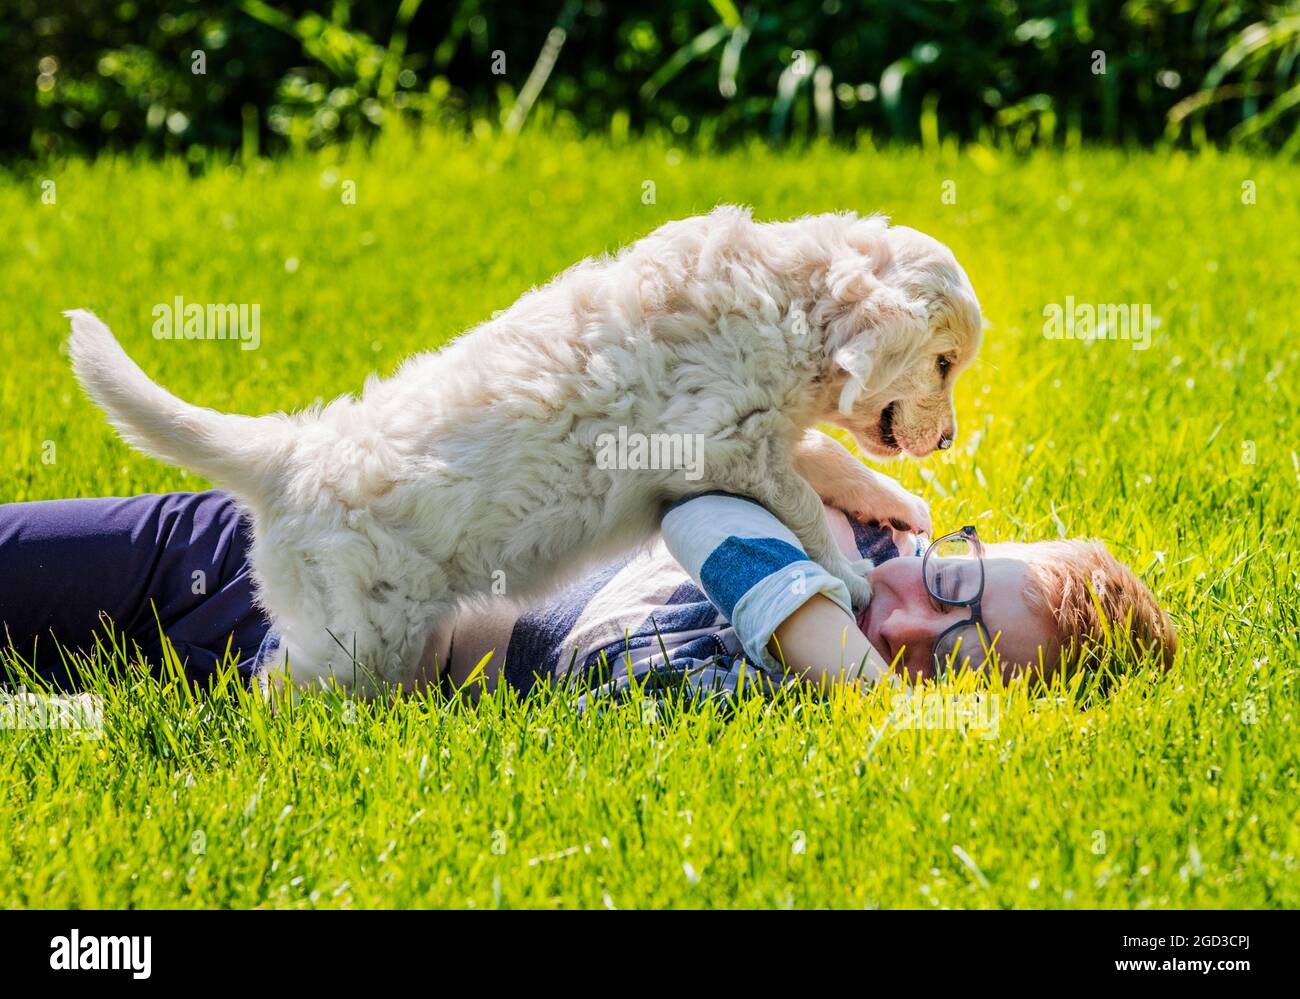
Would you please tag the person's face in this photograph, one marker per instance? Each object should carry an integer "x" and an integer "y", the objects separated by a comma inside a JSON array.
[{"x": 903, "y": 617}]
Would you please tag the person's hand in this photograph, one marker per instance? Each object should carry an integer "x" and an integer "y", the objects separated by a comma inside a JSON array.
[
  {"x": 909, "y": 543},
  {"x": 906, "y": 542}
]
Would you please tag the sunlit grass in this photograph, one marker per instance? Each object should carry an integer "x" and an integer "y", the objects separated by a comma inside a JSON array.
[{"x": 1163, "y": 790}]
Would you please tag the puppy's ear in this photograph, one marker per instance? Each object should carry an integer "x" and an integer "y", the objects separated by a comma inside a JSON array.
[
  {"x": 879, "y": 328},
  {"x": 854, "y": 275},
  {"x": 856, "y": 358},
  {"x": 851, "y": 280}
]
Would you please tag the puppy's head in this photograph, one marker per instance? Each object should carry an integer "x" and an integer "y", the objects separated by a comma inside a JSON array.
[{"x": 901, "y": 322}]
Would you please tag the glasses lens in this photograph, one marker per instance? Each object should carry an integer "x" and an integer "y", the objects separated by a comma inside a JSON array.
[
  {"x": 953, "y": 573},
  {"x": 962, "y": 648}
]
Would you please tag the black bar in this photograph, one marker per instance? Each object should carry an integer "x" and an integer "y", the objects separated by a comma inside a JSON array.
[{"x": 212, "y": 949}]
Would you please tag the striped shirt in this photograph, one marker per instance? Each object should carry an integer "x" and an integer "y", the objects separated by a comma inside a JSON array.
[{"x": 706, "y": 597}]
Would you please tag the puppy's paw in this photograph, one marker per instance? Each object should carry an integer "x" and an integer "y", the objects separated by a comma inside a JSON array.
[
  {"x": 895, "y": 507},
  {"x": 859, "y": 585}
]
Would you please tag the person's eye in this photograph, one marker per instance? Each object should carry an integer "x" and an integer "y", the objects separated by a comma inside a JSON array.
[{"x": 931, "y": 588}]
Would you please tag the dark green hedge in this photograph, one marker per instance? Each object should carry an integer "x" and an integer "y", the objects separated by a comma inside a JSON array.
[{"x": 82, "y": 75}]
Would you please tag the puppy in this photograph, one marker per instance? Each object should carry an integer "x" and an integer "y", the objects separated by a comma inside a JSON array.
[{"x": 374, "y": 517}]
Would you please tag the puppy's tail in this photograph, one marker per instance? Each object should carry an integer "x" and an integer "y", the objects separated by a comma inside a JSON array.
[{"x": 241, "y": 452}]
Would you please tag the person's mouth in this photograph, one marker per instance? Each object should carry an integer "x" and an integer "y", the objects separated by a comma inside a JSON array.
[{"x": 866, "y": 624}]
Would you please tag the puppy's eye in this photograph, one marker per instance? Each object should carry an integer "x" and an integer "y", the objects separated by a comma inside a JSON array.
[{"x": 945, "y": 365}]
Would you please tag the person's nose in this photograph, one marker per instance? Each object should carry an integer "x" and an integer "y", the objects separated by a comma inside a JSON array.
[{"x": 911, "y": 630}]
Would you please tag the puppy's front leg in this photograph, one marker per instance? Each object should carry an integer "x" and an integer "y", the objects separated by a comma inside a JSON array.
[
  {"x": 865, "y": 494},
  {"x": 794, "y": 502}
]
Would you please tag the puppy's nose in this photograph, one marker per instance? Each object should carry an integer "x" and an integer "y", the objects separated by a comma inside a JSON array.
[{"x": 945, "y": 441}]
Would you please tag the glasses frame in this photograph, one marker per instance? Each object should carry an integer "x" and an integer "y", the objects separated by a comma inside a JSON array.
[{"x": 976, "y": 618}]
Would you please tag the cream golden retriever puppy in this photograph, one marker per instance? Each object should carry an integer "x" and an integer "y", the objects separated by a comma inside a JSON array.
[{"x": 489, "y": 461}]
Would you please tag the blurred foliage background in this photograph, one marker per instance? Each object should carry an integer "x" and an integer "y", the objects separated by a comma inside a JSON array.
[{"x": 79, "y": 76}]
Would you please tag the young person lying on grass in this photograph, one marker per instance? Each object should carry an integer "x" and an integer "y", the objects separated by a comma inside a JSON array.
[{"x": 725, "y": 590}]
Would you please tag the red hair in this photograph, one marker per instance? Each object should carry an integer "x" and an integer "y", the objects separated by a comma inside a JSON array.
[{"x": 1095, "y": 600}]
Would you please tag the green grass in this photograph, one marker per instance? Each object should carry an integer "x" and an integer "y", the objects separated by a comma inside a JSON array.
[{"x": 1173, "y": 790}]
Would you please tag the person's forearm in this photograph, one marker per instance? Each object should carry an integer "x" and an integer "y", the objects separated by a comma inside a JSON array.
[{"x": 823, "y": 645}]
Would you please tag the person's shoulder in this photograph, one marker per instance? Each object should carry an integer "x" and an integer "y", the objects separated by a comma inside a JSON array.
[{"x": 712, "y": 500}]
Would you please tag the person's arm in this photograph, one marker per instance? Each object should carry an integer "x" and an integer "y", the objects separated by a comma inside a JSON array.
[
  {"x": 823, "y": 645},
  {"x": 788, "y": 612}
]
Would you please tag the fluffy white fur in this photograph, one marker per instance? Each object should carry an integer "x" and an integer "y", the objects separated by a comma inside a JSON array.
[{"x": 375, "y": 516}]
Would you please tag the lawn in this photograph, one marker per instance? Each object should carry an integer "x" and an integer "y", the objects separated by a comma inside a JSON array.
[{"x": 1146, "y": 791}]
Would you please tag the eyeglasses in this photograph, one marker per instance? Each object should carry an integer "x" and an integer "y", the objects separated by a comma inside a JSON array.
[{"x": 953, "y": 570}]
